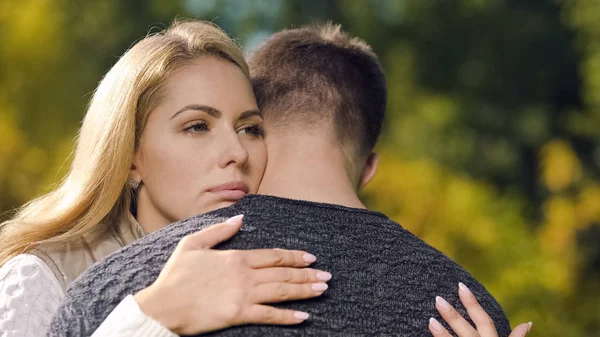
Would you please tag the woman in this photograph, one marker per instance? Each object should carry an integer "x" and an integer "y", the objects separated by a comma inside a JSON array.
[{"x": 172, "y": 131}]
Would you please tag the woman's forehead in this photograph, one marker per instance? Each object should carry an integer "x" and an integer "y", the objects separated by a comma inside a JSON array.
[{"x": 211, "y": 82}]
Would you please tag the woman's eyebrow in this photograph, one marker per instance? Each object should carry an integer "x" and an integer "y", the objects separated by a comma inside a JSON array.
[
  {"x": 250, "y": 113},
  {"x": 199, "y": 107}
]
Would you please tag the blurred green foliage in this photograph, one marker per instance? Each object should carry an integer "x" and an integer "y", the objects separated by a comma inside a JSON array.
[{"x": 490, "y": 149}]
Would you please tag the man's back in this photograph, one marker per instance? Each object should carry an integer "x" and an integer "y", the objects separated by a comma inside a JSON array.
[{"x": 384, "y": 278}]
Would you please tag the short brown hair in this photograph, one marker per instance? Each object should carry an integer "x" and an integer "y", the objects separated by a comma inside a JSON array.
[{"x": 319, "y": 74}]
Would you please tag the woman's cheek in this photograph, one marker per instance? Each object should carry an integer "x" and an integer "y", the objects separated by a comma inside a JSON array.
[{"x": 258, "y": 162}]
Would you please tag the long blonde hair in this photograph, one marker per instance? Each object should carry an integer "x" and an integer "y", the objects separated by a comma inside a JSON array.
[{"x": 94, "y": 194}]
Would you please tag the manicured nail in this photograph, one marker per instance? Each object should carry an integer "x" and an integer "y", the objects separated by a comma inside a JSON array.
[
  {"x": 236, "y": 220},
  {"x": 435, "y": 325},
  {"x": 443, "y": 304},
  {"x": 319, "y": 286},
  {"x": 530, "y": 324},
  {"x": 463, "y": 287},
  {"x": 301, "y": 315},
  {"x": 323, "y": 276},
  {"x": 309, "y": 258}
]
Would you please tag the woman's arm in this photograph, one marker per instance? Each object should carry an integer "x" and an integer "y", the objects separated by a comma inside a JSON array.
[
  {"x": 232, "y": 293},
  {"x": 201, "y": 290},
  {"x": 127, "y": 320},
  {"x": 29, "y": 296}
]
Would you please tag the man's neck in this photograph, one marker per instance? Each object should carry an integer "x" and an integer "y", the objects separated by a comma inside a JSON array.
[{"x": 307, "y": 170}]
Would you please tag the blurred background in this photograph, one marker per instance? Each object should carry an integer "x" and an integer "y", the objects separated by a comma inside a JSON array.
[{"x": 491, "y": 145}]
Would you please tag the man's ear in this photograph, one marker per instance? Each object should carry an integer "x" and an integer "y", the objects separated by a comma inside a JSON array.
[{"x": 370, "y": 169}]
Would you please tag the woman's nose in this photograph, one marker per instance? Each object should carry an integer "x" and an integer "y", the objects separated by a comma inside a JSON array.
[{"x": 234, "y": 153}]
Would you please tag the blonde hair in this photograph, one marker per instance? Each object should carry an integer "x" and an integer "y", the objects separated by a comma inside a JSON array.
[{"x": 94, "y": 196}]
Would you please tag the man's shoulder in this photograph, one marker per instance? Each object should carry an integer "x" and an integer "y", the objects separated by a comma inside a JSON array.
[{"x": 344, "y": 226}]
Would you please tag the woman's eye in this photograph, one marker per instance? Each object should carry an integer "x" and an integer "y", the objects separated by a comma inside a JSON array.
[
  {"x": 254, "y": 130},
  {"x": 197, "y": 127}
]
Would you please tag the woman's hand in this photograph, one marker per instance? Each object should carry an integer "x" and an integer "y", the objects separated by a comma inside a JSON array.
[
  {"x": 462, "y": 328},
  {"x": 201, "y": 290}
]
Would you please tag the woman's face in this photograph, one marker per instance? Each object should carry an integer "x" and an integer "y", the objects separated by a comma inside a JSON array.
[{"x": 202, "y": 147}]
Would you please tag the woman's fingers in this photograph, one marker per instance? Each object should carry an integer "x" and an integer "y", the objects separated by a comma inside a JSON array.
[
  {"x": 213, "y": 235},
  {"x": 281, "y": 292},
  {"x": 485, "y": 325},
  {"x": 521, "y": 330},
  {"x": 437, "y": 329},
  {"x": 460, "y": 326},
  {"x": 264, "y": 314},
  {"x": 290, "y": 275},
  {"x": 265, "y": 258}
]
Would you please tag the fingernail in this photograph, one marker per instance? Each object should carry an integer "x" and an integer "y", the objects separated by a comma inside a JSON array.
[
  {"x": 319, "y": 286},
  {"x": 301, "y": 315},
  {"x": 236, "y": 220},
  {"x": 323, "y": 276},
  {"x": 530, "y": 324},
  {"x": 443, "y": 304},
  {"x": 435, "y": 325},
  {"x": 463, "y": 287},
  {"x": 309, "y": 258}
]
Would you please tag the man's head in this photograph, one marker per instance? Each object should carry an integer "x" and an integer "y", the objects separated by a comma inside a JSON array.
[{"x": 318, "y": 81}]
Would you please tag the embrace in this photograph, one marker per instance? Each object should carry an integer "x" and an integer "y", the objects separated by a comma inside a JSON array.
[{"x": 213, "y": 195}]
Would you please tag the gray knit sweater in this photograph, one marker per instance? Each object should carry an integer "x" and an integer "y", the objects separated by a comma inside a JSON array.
[{"x": 384, "y": 278}]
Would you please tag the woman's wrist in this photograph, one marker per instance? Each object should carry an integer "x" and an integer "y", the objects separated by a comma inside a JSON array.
[{"x": 155, "y": 307}]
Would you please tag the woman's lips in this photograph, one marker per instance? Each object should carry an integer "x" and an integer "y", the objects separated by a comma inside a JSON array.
[
  {"x": 230, "y": 194},
  {"x": 234, "y": 190}
]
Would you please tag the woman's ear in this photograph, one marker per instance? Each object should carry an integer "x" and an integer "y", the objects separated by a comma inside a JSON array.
[
  {"x": 370, "y": 169},
  {"x": 134, "y": 172}
]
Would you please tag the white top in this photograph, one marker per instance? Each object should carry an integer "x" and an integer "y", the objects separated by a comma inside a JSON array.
[{"x": 30, "y": 295}]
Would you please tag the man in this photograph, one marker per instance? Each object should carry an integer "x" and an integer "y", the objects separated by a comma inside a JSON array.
[{"x": 323, "y": 96}]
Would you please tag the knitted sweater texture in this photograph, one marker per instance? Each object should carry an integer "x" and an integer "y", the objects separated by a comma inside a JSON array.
[{"x": 384, "y": 283}]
